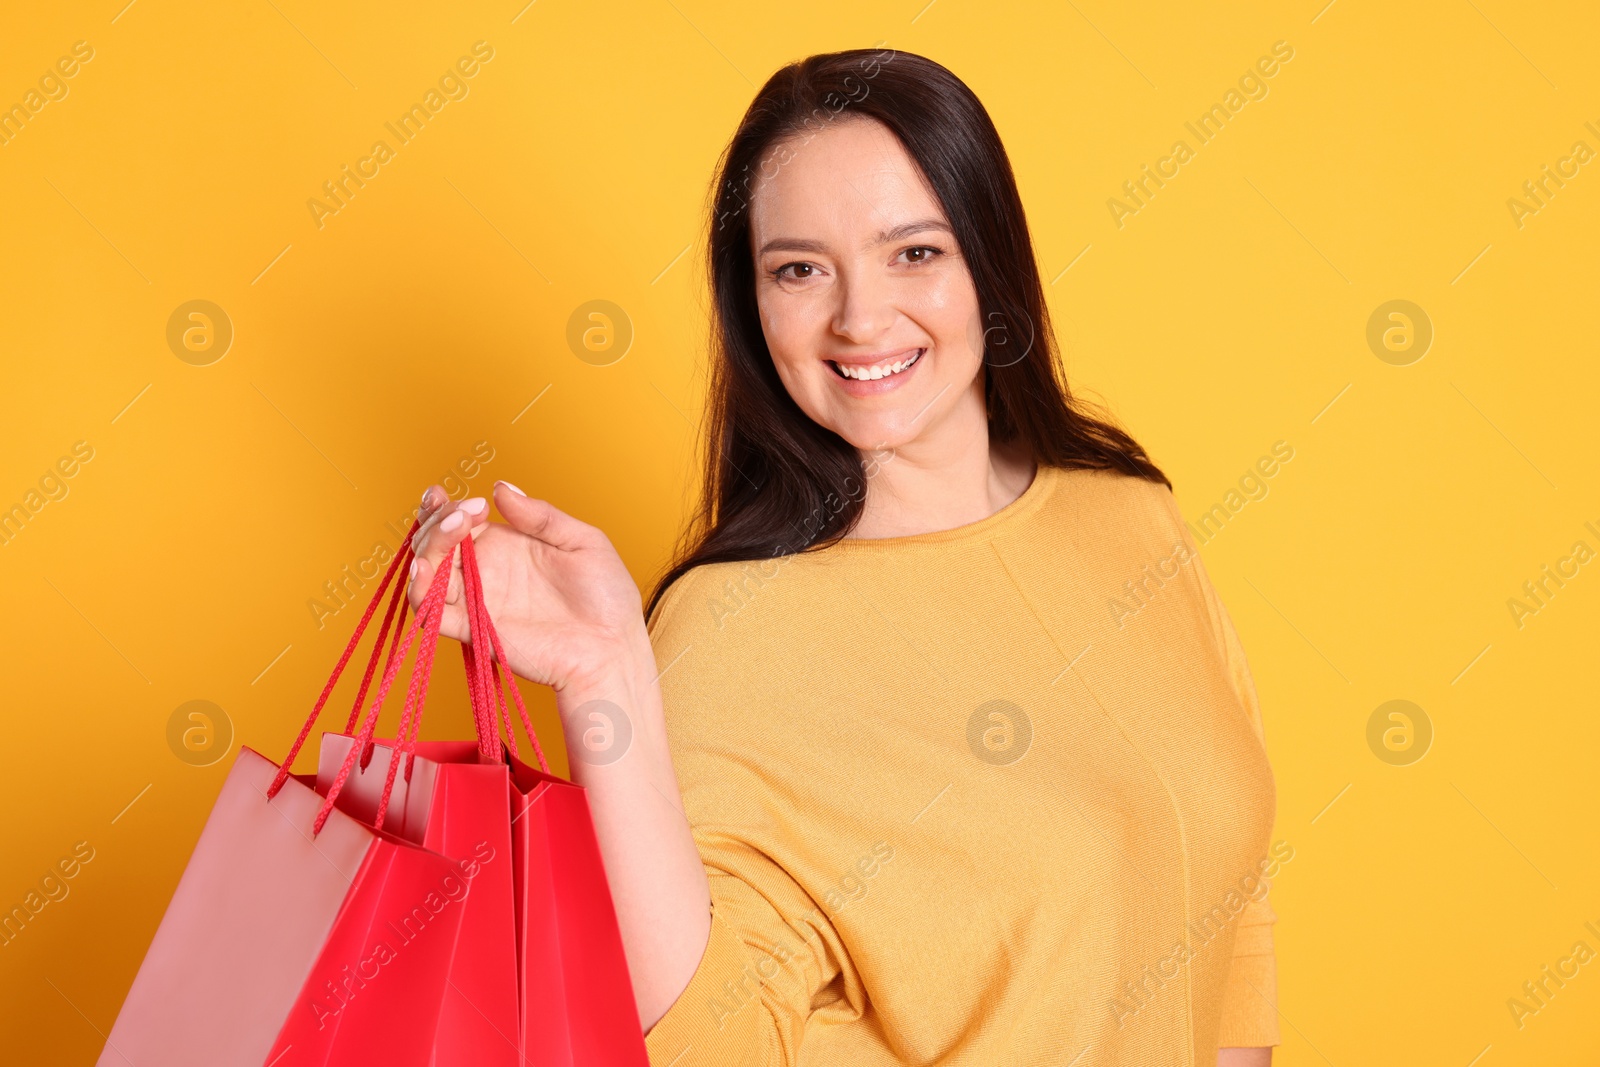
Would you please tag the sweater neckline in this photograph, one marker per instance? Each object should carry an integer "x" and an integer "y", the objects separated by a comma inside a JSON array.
[{"x": 1026, "y": 503}]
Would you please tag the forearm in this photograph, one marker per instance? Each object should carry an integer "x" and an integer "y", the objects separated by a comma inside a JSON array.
[
  {"x": 1244, "y": 1057},
  {"x": 658, "y": 882}
]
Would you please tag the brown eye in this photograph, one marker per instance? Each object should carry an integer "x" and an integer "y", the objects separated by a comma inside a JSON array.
[
  {"x": 925, "y": 253},
  {"x": 795, "y": 266}
]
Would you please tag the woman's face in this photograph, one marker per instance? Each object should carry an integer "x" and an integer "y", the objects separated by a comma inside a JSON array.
[{"x": 857, "y": 272}]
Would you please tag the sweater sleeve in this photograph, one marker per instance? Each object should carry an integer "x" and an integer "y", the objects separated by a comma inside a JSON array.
[
  {"x": 1250, "y": 1004},
  {"x": 773, "y": 958},
  {"x": 749, "y": 1000}
]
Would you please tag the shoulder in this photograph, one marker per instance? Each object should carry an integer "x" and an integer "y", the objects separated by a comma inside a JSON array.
[
  {"x": 677, "y": 613},
  {"x": 716, "y": 616},
  {"x": 1119, "y": 507}
]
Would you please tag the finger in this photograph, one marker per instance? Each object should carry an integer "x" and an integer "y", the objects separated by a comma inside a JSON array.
[
  {"x": 541, "y": 519},
  {"x": 445, "y": 529},
  {"x": 433, "y": 498}
]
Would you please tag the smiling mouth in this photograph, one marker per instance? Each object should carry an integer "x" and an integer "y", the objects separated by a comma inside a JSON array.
[{"x": 876, "y": 371}]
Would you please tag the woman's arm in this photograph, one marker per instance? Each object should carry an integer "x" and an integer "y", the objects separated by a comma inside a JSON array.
[{"x": 1244, "y": 1057}]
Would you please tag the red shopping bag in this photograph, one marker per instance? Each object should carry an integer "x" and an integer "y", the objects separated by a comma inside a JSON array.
[
  {"x": 453, "y": 798},
  {"x": 457, "y": 802},
  {"x": 297, "y": 934},
  {"x": 578, "y": 1006},
  {"x": 570, "y": 999}
]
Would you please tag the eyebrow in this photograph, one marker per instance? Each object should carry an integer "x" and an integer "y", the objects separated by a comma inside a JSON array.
[{"x": 905, "y": 229}]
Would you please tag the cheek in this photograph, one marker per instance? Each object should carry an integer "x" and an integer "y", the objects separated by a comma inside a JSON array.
[
  {"x": 789, "y": 340},
  {"x": 947, "y": 308}
]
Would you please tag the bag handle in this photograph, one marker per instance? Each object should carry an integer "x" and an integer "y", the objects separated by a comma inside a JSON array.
[
  {"x": 405, "y": 553},
  {"x": 483, "y": 659},
  {"x": 429, "y": 616}
]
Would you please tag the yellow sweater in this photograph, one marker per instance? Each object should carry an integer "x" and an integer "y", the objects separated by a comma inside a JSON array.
[{"x": 994, "y": 795}]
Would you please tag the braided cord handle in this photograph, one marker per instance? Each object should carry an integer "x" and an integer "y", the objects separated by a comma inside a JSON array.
[
  {"x": 429, "y": 616},
  {"x": 486, "y": 667},
  {"x": 404, "y": 555}
]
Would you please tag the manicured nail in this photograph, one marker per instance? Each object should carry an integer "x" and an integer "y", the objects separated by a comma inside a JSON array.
[
  {"x": 511, "y": 487},
  {"x": 475, "y": 506},
  {"x": 413, "y": 568},
  {"x": 452, "y": 522},
  {"x": 425, "y": 493}
]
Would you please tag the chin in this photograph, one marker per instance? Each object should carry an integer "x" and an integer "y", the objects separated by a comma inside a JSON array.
[{"x": 877, "y": 436}]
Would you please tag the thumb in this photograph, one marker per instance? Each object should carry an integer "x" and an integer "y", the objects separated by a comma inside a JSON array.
[{"x": 541, "y": 519}]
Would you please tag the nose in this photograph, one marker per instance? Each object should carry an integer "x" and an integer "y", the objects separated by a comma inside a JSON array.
[{"x": 865, "y": 308}]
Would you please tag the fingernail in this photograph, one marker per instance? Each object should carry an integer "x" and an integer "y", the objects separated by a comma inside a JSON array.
[
  {"x": 452, "y": 522},
  {"x": 511, "y": 487},
  {"x": 425, "y": 493},
  {"x": 413, "y": 568},
  {"x": 476, "y": 506}
]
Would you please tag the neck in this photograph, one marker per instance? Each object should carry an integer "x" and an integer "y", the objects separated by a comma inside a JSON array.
[{"x": 939, "y": 483}]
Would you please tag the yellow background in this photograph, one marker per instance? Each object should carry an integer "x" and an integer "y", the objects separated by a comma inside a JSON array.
[{"x": 371, "y": 354}]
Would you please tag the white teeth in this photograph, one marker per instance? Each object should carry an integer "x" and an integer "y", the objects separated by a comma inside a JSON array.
[{"x": 872, "y": 374}]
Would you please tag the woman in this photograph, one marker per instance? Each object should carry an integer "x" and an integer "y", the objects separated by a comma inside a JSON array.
[{"x": 938, "y": 746}]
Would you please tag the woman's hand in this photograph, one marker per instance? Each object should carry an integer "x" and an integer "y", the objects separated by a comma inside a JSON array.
[{"x": 563, "y": 603}]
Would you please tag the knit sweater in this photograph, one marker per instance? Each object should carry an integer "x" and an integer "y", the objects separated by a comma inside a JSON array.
[{"x": 990, "y": 795}]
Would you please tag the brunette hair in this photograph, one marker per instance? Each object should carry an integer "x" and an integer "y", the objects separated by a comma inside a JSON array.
[{"x": 776, "y": 482}]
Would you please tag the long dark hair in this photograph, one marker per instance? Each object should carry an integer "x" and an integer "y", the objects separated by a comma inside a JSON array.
[{"x": 777, "y": 482}]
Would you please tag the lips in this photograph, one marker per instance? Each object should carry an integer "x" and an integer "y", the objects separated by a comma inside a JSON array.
[{"x": 878, "y": 369}]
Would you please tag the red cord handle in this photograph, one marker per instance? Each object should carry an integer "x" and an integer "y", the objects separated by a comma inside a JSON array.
[
  {"x": 487, "y": 666},
  {"x": 355, "y": 638},
  {"x": 429, "y": 615},
  {"x": 481, "y": 658}
]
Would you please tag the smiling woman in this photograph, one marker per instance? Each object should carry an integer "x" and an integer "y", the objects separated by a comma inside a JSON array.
[{"x": 908, "y": 532}]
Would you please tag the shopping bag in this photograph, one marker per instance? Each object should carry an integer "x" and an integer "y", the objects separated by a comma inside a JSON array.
[
  {"x": 577, "y": 1001},
  {"x": 456, "y": 801},
  {"x": 453, "y": 797},
  {"x": 297, "y": 934},
  {"x": 578, "y": 1004},
  {"x": 569, "y": 998}
]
